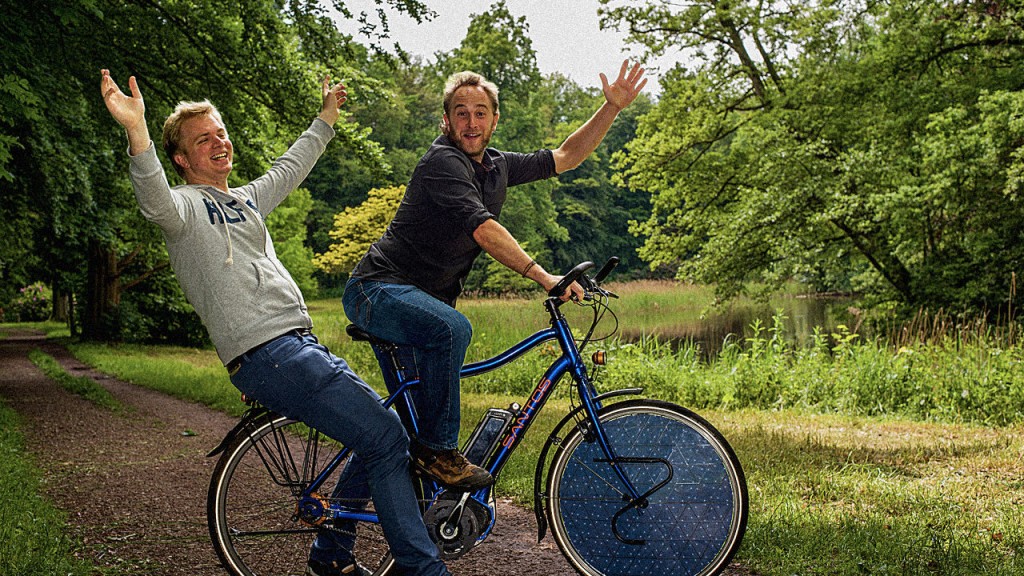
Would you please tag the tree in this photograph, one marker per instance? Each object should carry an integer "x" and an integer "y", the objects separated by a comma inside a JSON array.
[
  {"x": 62, "y": 159},
  {"x": 356, "y": 228},
  {"x": 802, "y": 141},
  {"x": 402, "y": 111},
  {"x": 596, "y": 209}
]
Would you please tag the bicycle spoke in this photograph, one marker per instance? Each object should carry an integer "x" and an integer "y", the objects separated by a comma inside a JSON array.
[{"x": 254, "y": 504}]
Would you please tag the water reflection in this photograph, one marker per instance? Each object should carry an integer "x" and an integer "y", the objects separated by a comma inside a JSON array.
[{"x": 800, "y": 315}]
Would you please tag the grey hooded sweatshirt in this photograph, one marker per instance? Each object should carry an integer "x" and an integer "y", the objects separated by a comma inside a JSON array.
[{"x": 221, "y": 251}]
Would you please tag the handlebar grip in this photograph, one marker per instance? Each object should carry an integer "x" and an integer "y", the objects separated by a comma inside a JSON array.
[
  {"x": 606, "y": 269},
  {"x": 569, "y": 278}
]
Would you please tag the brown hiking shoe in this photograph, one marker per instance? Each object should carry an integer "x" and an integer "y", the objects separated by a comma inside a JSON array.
[{"x": 449, "y": 467}]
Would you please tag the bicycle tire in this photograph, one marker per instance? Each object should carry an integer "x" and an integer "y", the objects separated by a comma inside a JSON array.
[
  {"x": 691, "y": 526},
  {"x": 253, "y": 498}
]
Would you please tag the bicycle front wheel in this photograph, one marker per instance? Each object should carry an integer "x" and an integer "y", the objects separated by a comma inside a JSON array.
[
  {"x": 256, "y": 522},
  {"x": 693, "y": 516}
]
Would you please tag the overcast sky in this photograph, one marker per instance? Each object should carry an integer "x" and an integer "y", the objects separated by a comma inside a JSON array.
[{"x": 565, "y": 35}]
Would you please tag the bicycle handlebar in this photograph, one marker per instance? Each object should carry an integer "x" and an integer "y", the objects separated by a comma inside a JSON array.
[
  {"x": 573, "y": 275},
  {"x": 606, "y": 269},
  {"x": 589, "y": 284}
]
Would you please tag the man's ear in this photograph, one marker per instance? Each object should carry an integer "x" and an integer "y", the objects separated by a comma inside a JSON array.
[{"x": 181, "y": 160}]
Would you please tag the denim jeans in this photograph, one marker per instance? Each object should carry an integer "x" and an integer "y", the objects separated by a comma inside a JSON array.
[
  {"x": 298, "y": 377},
  {"x": 439, "y": 336}
]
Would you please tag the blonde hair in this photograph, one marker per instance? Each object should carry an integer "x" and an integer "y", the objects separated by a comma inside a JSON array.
[
  {"x": 467, "y": 78},
  {"x": 172, "y": 126}
]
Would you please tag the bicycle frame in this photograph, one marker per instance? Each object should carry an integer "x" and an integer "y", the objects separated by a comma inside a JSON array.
[
  {"x": 570, "y": 361},
  {"x": 637, "y": 486}
]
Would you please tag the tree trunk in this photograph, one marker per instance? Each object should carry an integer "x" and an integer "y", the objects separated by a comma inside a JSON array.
[
  {"x": 102, "y": 296},
  {"x": 60, "y": 304}
]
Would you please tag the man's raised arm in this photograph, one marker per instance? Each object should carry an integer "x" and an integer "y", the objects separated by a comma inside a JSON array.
[{"x": 582, "y": 143}]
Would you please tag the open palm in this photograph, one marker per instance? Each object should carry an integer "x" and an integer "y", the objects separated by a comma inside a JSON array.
[
  {"x": 626, "y": 87},
  {"x": 129, "y": 111}
]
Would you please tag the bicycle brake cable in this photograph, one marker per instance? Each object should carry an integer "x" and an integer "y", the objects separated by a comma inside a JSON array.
[{"x": 599, "y": 302}]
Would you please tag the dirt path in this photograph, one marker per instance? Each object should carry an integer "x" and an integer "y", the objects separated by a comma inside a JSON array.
[{"x": 134, "y": 484}]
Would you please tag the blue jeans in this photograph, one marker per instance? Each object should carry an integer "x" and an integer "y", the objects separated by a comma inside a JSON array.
[
  {"x": 298, "y": 377},
  {"x": 439, "y": 336}
]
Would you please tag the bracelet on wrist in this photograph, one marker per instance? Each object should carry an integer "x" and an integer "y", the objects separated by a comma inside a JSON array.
[{"x": 527, "y": 268}]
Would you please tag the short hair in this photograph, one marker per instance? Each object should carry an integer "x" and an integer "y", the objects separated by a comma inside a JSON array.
[
  {"x": 172, "y": 126},
  {"x": 467, "y": 78}
]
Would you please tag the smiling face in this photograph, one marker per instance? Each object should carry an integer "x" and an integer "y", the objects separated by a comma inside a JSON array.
[
  {"x": 471, "y": 121},
  {"x": 206, "y": 152}
]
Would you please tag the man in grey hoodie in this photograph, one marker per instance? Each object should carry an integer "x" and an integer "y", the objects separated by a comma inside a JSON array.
[{"x": 225, "y": 261}]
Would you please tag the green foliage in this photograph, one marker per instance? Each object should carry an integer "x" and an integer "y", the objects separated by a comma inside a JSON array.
[
  {"x": 595, "y": 209},
  {"x": 498, "y": 46},
  {"x": 500, "y": 279},
  {"x": 287, "y": 226},
  {"x": 33, "y": 536},
  {"x": 850, "y": 146},
  {"x": 32, "y": 304},
  {"x": 67, "y": 203},
  {"x": 356, "y": 228},
  {"x": 19, "y": 102},
  {"x": 956, "y": 381}
]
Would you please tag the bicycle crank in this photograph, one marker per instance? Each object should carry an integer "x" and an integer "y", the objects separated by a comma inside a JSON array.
[
  {"x": 455, "y": 522},
  {"x": 311, "y": 510}
]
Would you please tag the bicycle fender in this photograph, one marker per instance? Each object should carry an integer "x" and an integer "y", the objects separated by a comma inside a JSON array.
[
  {"x": 247, "y": 419},
  {"x": 540, "y": 498}
]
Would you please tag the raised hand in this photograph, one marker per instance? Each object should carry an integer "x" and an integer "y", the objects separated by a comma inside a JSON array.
[
  {"x": 129, "y": 111},
  {"x": 626, "y": 87},
  {"x": 333, "y": 97}
]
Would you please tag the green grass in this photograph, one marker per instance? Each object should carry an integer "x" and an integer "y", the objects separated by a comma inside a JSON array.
[
  {"x": 860, "y": 459},
  {"x": 186, "y": 373},
  {"x": 81, "y": 385},
  {"x": 850, "y": 495},
  {"x": 51, "y": 329},
  {"x": 33, "y": 540}
]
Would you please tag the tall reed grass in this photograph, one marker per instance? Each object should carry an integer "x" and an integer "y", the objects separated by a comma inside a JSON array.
[
  {"x": 944, "y": 380},
  {"x": 931, "y": 369}
]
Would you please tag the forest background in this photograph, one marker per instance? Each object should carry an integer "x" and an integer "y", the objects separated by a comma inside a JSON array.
[
  {"x": 870, "y": 148},
  {"x": 864, "y": 147}
]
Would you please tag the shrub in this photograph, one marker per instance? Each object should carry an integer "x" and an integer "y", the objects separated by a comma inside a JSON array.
[{"x": 32, "y": 304}]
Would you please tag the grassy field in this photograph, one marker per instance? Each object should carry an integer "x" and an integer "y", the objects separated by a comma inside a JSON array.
[{"x": 860, "y": 458}]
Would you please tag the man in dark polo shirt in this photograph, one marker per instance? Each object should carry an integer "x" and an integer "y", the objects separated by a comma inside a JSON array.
[{"x": 405, "y": 287}]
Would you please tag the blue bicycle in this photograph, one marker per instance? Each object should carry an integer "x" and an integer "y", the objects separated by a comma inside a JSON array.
[{"x": 631, "y": 487}]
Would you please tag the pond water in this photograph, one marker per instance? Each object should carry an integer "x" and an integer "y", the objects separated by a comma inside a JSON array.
[{"x": 801, "y": 316}]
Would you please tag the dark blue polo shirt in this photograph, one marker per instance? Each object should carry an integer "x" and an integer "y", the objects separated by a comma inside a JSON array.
[{"x": 429, "y": 242}]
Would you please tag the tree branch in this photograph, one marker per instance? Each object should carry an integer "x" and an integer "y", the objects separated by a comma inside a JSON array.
[{"x": 144, "y": 276}]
